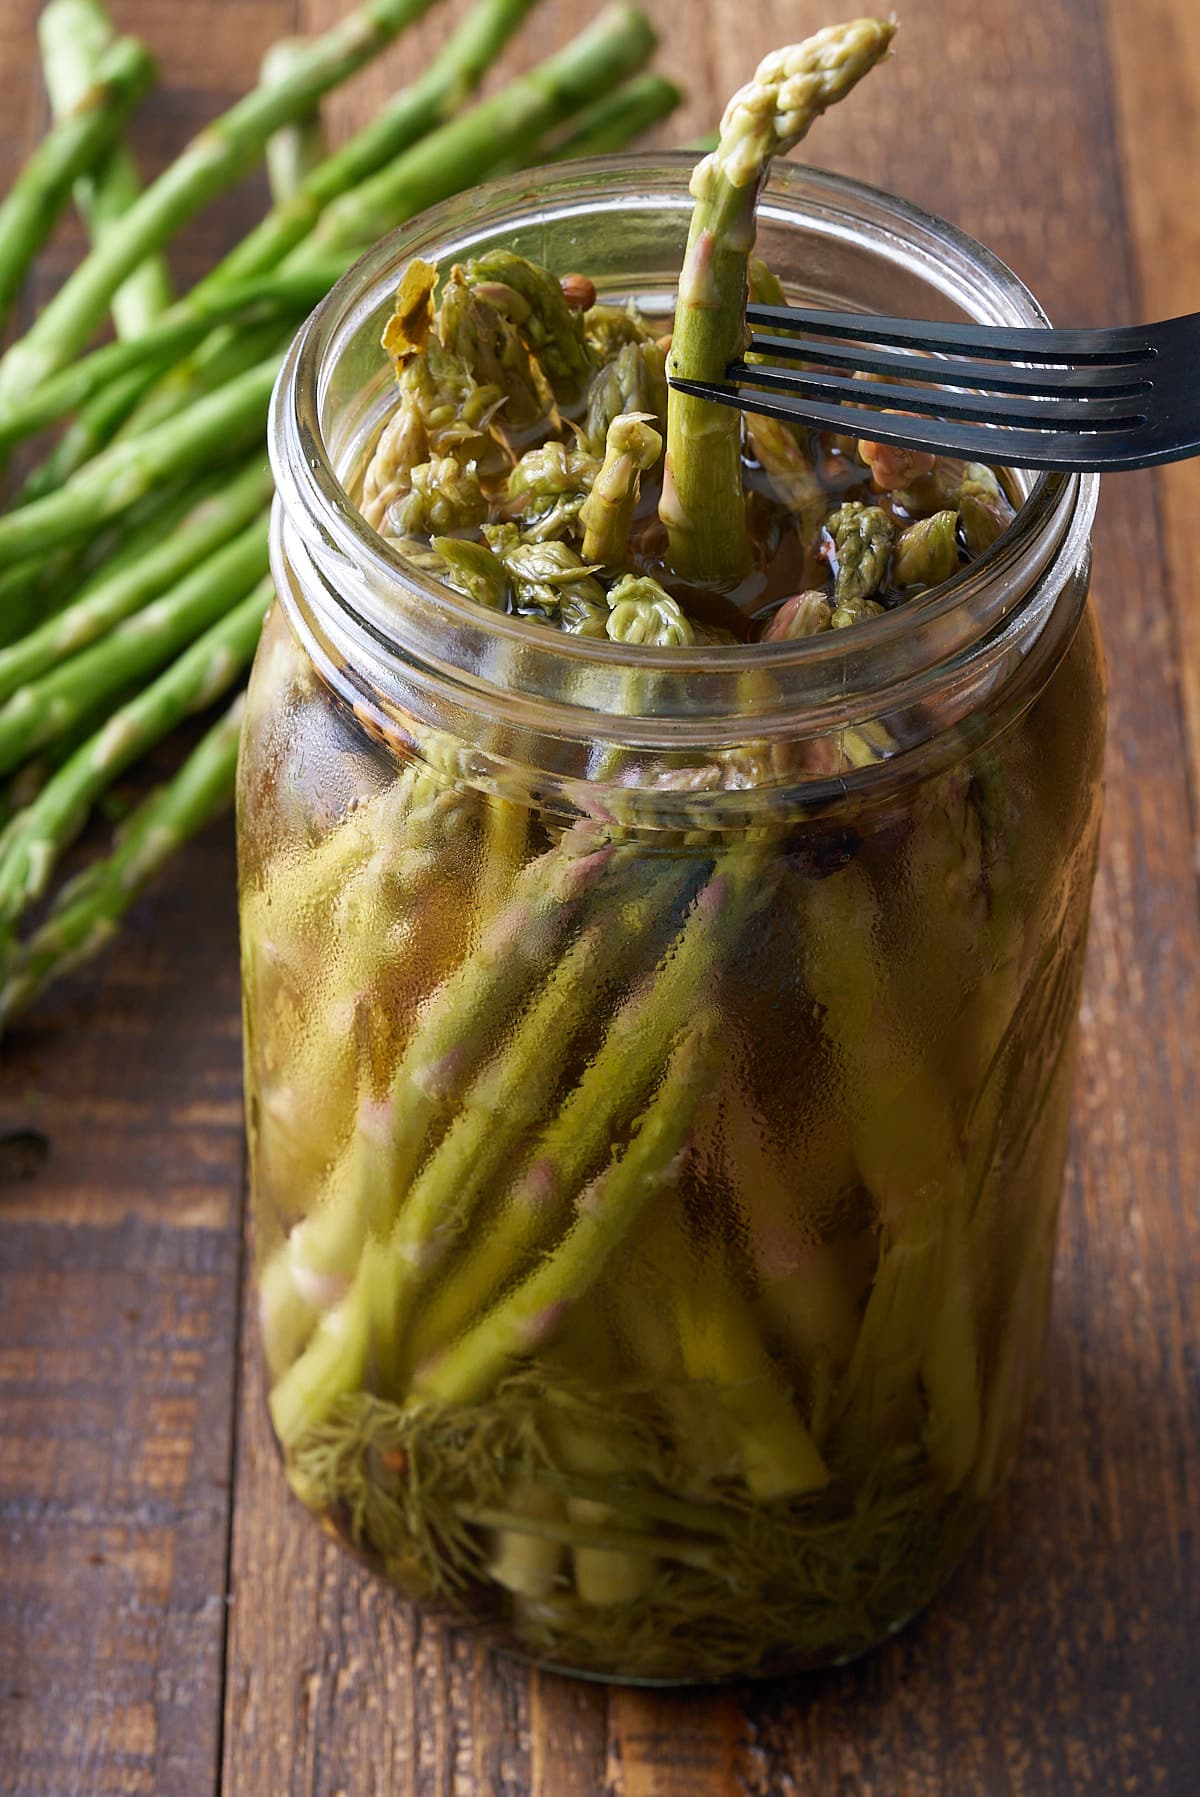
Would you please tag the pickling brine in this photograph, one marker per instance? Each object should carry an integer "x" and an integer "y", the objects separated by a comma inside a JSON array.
[{"x": 659, "y": 1032}]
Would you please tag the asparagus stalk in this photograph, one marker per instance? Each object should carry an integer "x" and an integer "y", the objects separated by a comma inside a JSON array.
[
  {"x": 792, "y": 477},
  {"x": 272, "y": 297},
  {"x": 210, "y": 163},
  {"x": 53, "y": 705},
  {"x": 463, "y": 60},
  {"x": 123, "y": 73},
  {"x": 460, "y": 1025},
  {"x": 160, "y": 553},
  {"x": 36, "y": 837},
  {"x": 612, "y": 48},
  {"x": 626, "y": 1067},
  {"x": 87, "y": 912},
  {"x": 860, "y": 541},
  {"x": 88, "y": 434},
  {"x": 298, "y": 147},
  {"x": 605, "y": 1213},
  {"x": 614, "y": 121},
  {"x": 460, "y": 153},
  {"x": 631, "y": 447},
  {"x": 501, "y": 1110},
  {"x": 702, "y": 502},
  {"x": 432, "y": 100},
  {"x": 74, "y": 35},
  {"x": 927, "y": 551},
  {"x": 211, "y": 429},
  {"x": 723, "y": 1351}
]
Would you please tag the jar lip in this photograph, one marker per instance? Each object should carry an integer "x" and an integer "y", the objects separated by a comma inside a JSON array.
[{"x": 822, "y": 674}]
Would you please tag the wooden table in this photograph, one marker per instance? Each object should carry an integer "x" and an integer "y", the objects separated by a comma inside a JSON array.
[{"x": 170, "y": 1621}]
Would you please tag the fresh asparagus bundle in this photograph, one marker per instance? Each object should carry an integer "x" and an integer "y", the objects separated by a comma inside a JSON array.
[
  {"x": 87, "y": 911},
  {"x": 212, "y": 162}
]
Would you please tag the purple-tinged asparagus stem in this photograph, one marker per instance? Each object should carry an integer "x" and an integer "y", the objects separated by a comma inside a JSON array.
[
  {"x": 459, "y": 1026},
  {"x": 604, "y": 1214},
  {"x": 502, "y": 1108}
]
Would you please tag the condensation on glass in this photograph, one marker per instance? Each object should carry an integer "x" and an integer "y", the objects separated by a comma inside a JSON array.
[{"x": 659, "y": 1061}]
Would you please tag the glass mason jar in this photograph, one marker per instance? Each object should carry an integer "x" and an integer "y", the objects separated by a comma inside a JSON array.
[{"x": 659, "y": 1060}]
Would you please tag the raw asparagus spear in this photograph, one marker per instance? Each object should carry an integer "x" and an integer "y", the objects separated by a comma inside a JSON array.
[
  {"x": 73, "y": 35},
  {"x": 53, "y": 705},
  {"x": 616, "y": 120},
  {"x": 432, "y": 100},
  {"x": 87, "y": 435},
  {"x": 612, "y": 48},
  {"x": 702, "y": 502},
  {"x": 214, "y": 159},
  {"x": 161, "y": 341},
  {"x": 209, "y": 430},
  {"x": 122, "y": 75},
  {"x": 161, "y": 553},
  {"x": 87, "y": 912},
  {"x": 298, "y": 147},
  {"x": 455, "y": 156},
  {"x": 36, "y": 837}
]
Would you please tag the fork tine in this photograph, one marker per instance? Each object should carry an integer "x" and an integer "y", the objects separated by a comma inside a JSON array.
[
  {"x": 997, "y": 445},
  {"x": 983, "y": 408},
  {"x": 1046, "y": 379},
  {"x": 1127, "y": 345}
]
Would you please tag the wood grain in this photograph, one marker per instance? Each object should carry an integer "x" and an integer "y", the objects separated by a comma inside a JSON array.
[
  {"x": 1154, "y": 51},
  {"x": 1065, "y": 1656},
  {"x": 119, "y": 1262}
]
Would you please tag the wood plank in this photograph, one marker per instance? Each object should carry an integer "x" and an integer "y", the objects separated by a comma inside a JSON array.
[
  {"x": 1155, "y": 56},
  {"x": 118, "y": 1275},
  {"x": 119, "y": 1261},
  {"x": 1062, "y": 1658}
]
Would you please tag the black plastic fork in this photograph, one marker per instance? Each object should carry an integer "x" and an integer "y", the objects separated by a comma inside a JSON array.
[{"x": 1091, "y": 401}]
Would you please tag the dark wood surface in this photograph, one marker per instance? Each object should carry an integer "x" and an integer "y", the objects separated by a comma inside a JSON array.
[{"x": 170, "y": 1622}]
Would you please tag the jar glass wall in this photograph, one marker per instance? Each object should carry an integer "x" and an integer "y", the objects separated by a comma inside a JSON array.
[{"x": 659, "y": 1061}]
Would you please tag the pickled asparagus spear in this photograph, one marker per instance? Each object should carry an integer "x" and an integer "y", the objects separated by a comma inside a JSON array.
[
  {"x": 604, "y": 1214},
  {"x": 631, "y": 447},
  {"x": 702, "y": 503}
]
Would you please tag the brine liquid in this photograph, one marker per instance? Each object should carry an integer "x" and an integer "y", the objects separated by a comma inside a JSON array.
[{"x": 756, "y": 1427}]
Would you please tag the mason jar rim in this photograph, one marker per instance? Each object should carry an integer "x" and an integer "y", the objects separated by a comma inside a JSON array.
[{"x": 396, "y": 618}]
